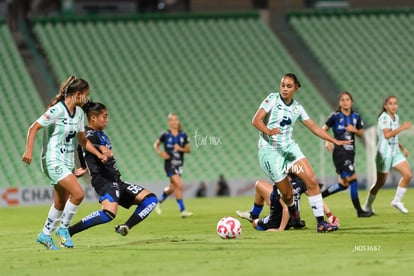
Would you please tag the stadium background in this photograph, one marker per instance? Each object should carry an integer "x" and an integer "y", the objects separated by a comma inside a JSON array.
[{"x": 211, "y": 62}]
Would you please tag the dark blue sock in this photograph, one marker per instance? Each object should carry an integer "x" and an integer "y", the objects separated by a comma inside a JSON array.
[
  {"x": 95, "y": 218},
  {"x": 256, "y": 210},
  {"x": 163, "y": 197},
  {"x": 180, "y": 203},
  {"x": 354, "y": 194},
  {"x": 142, "y": 211},
  {"x": 333, "y": 189}
]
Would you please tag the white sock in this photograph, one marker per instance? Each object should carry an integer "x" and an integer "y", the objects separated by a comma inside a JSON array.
[
  {"x": 316, "y": 204},
  {"x": 370, "y": 200},
  {"x": 399, "y": 194},
  {"x": 68, "y": 213},
  {"x": 52, "y": 220}
]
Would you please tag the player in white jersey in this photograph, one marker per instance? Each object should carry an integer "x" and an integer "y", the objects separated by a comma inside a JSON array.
[
  {"x": 278, "y": 152},
  {"x": 390, "y": 153},
  {"x": 63, "y": 121}
]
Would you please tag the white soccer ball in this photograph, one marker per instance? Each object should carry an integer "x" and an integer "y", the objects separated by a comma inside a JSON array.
[{"x": 229, "y": 228}]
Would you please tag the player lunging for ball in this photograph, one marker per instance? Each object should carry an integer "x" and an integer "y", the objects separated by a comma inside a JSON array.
[{"x": 106, "y": 179}]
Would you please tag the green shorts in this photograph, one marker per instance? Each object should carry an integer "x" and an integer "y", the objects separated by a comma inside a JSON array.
[
  {"x": 384, "y": 164},
  {"x": 277, "y": 163},
  {"x": 55, "y": 171}
]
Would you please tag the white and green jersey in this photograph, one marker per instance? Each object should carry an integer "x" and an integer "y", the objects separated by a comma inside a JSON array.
[
  {"x": 282, "y": 116},
  {"x": 61, "y": 129},
  {"x": 387, "y": 147}
]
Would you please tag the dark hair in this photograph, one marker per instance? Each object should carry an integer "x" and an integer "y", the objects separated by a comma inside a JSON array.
[
  {"x": 93, "y": 108},
  {"x": 338, "y": 109},
  {"x": 294, "y": 78},
  {"x": 385, "y": 102},
  {"x": 69, "y": 87}
]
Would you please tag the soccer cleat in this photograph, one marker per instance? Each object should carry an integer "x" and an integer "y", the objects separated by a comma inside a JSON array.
[
  {"x": 296, "y": 224},
  {"x": 47, "y": 241},
  {"x": 245, "y": 215},
  {"x": 400, "y": 206},
  {"x": 326, "y": 227},
  {"x": 64, "y": 237},
  {"x": 158, "y": 209},
  {"x": 363, "y": 214},
  {"x": 334, "y": 220},
  {"x": 122, "y": 229},
  {"x": 368, "y": 209},
  {"x": 186, "y": 214}
]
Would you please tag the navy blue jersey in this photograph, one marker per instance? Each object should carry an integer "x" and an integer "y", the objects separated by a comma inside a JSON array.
[
  {"x": 169, "y": 140},
  {"x": 338, "y": 122},
  {"x": 97, "y": 169}
]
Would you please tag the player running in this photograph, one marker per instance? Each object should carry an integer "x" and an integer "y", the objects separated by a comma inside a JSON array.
[
  {"x": 345, "y": 124},
  {"x": 176, "y": 144},
  {"x": 278, "y": 151},
  {"x": 390, "y": 154},
  {"x": 63, "y": 122}
]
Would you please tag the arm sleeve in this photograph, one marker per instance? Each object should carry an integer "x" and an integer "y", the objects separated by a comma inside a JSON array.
[
  {"x": 81, "y": 157},
  {"x": 50, "y": 116},
  {"x": 331, "y": 120},
  {"x": 269, "y": 102},
  {"x": 303, "y": 114}
]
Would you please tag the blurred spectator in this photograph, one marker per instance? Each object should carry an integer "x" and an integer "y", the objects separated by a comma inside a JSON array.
[
  {"x": 16, "y": 10},
  {"x": 202, "y": 190},
  {"x": 147, "y": 5},
  {"x": 222, "y": 187}
]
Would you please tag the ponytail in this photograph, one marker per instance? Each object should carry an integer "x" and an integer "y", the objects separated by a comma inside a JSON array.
[
  {"x": 69, "y": 87},
  {"x": 93, "y": 108}
]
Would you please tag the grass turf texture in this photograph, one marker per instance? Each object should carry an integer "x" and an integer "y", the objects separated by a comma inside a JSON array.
[{"x": 168, "y": 245}]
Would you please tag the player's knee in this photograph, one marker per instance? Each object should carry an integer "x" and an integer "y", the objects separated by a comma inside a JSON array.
[
  {"x": 408, "y": 175},
  {"x": 77, "y": 197},
  {"x": 288, "y": 198}
]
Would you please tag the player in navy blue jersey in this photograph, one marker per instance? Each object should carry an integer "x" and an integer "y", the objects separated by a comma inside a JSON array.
[
  {"x": 264, "y": 192},
  {"x": 345, "y": 124},
  {"x": 106, "y": 179},
  {"x": 176, "y": 144}
]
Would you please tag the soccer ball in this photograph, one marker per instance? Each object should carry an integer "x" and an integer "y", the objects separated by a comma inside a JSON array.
[{"x": 229, "y": 228}]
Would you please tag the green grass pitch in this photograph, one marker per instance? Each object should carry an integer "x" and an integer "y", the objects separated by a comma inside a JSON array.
[{"x": 168, "y": 245}]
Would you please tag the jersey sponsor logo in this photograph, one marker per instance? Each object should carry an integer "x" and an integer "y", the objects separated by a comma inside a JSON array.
[
  {"x": 58, "y": 170},
  {"x": 286, "y": 121}
]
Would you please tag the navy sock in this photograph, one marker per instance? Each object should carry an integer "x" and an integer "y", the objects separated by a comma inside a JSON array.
[
  {"x": 256, "y": 210},
  {"x": 333, "y": 189},
  {"x": 163, "y": 197},
  {"x": 95, "y": 218},
  {"x": 180, "y": 203},
  {"x": 354, "y": 195},
  {"x": 142, "y": 211}
]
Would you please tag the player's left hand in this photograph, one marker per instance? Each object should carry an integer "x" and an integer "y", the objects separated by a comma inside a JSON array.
[{"x": 342, "y": 142}]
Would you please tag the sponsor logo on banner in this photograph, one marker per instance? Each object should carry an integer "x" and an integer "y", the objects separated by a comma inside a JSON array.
[{"x": 14, "y": 196}]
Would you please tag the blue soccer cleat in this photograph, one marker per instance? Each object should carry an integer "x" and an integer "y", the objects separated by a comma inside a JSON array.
[
  {"x": 47, "y": 241},
  {"x": 64, "y": 237}
]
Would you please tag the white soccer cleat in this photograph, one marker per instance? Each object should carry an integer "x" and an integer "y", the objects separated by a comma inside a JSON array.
[
  {"x": 245, "y": 215},
  {"x": 186, "y": 214},
  {"x": 158, "y": 209},
  {"x": 400, "y": 206}
]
